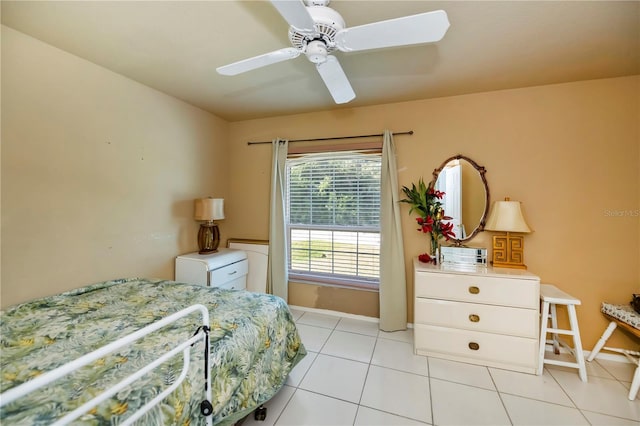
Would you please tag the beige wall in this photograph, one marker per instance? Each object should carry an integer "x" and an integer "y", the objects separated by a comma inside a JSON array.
[
  {"x": 99, "y": 172},
  {"x": 568, "y": 152}
]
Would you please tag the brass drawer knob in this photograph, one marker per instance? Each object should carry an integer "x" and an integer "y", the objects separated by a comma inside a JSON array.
[
  {"x": 474, "y": 346},
  {"x": 474, "y": 290},
  {"x": 474, "y": 318}
]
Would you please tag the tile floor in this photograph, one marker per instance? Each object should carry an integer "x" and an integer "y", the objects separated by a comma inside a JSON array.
[{"x": 356, "y": 375}]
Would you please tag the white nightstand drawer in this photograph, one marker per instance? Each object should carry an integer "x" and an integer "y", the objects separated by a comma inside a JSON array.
[
  {"x": 471, "y": 316},
  {"x": 237, "y": 284},
  {"x": 478, "y": 289},
  {"x": 220, "y": 277},
  {"x": 214, "y": 269},
  {"x": 489, "y": 348}
]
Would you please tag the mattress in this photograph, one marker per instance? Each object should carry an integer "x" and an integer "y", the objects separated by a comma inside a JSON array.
[{"x": 253, "y": 339}]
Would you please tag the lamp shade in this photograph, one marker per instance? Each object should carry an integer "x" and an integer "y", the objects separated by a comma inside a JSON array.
[
  {"x": 506, "y": 216},
  {"x": 209, "y": 209}
]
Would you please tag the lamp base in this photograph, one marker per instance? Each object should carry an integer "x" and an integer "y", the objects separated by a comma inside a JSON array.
[
  {"x": 208, "y": 238},
  {"x": 508, "y": 251}
]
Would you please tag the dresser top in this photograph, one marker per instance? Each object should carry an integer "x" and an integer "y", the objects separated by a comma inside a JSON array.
[{"x": 488, "y": 271}]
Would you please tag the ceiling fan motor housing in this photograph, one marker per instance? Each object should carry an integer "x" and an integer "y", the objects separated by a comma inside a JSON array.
[
  {"x": 327, "y": 24},
  {"x": 316, "y": 51}
]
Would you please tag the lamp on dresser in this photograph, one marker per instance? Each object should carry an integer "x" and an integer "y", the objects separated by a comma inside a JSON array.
[
  {"x": 508, "y": 250},
  {"x": 208, "y": 210}
]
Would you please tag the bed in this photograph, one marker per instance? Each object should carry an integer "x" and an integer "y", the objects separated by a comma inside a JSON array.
[{"x": 254, "y": 345}]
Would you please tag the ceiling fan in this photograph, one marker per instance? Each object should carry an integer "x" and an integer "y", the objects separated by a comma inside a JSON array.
[{"x": 317, "y": 30}]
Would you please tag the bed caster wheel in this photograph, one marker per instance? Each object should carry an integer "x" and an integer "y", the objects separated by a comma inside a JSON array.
[
  {"x": 260, "y": 414},
  {"x": 206, "y": 408}
]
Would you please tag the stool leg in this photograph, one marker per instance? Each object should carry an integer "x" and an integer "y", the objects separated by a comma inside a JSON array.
[
  {"x": 577, "y": 343},
  {"x": 554, "y": 324},
  {"x": 603, "y": 339},
  {"x": 544, "y": 319},
  {"x": 635, "y": 384}
]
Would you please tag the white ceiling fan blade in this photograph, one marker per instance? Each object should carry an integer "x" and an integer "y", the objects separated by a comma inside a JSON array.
[
  {"x": 415, "y": 29},
  {"x": 259, "y": 61},
  {"x": 296, "y": 14},
  {"x": 335, "y": 80}
]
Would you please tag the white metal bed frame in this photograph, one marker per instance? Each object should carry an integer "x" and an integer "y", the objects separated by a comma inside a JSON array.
[{"x": 202, "y": 333}]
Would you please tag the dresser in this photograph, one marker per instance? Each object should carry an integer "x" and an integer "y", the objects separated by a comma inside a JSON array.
[
  {"x": 227, "y": 268},
  {"x": 479, "y": 315}
]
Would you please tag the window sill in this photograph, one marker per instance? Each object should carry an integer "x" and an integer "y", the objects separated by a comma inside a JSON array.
[{"x": 374, "y": 287}]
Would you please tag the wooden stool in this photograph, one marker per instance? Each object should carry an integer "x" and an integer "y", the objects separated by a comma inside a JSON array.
[
  {"x": 552, "y": 296},
  {"x": 626, "y": 318}
]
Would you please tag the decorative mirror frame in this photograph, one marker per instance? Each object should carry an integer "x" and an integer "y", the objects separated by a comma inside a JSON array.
[{"x": 481, "y": 170}]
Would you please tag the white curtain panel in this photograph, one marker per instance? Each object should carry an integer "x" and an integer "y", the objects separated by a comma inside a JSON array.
[
  {"x": 393, "y": 285},
  {"x": 277, "y": 274}
]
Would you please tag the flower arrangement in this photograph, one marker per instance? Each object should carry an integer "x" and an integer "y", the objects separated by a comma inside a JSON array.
[{"x": 425, "y": 201}]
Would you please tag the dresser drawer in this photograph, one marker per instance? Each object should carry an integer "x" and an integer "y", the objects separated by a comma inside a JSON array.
[
  {"x": 514, "y": 292},
  {"x": 483, "y": 348},
  {"x": 221, "y": 276},
  {"x": 471, "y": 316}
]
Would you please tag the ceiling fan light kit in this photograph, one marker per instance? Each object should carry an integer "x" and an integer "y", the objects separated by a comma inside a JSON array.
[{"x": 317, "y": 30}]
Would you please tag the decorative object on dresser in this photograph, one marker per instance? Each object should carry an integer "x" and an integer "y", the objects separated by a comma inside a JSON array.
[
  {"x": 431, "y": 219},
  {"x": 227, "y": 268},
  {"x": 460, "y": 255},
  {"x": 208, "y": 210},
  {"x": 508, "y": 250},
  {"x": 479, "y": 315}
]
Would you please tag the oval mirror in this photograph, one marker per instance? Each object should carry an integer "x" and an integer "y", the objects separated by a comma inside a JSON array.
[{"x": 466, "y": 198}]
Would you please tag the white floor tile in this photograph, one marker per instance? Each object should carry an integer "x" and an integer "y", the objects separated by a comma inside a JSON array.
[
  {"x": 350, "y": 361},
  {"x": 318, "y": 320},
  {"x": 628, "y": 386},
  {"x": 352, "y": 325},
  {"x": 466, "y": 374},
  {"x": 370, "y": 417},
  {"x": 350, "y": 345},
  {"x": 298, "y": 372},
  {"x": 599, "y": 395},
  {"x": 543, "y": 388},
  {"x": 401, "y": 336},
  {"x": 313, "y": 338},
  {"x": 593, "y": 368},
  {"x": 274, "y": 407},
  {"x": 455, "y": 404},
  {"x": 525, "y": 411},
  {"x": 296, "y": 313},
  {"x": 398, "y": 355},
  {"x": 336, "y": 377},
  {"x": 597, "y": 419},
  {"x": 622, "y": 371},
  {"x": 308, "y": 408},
  {"x": 397, "y": 392}
]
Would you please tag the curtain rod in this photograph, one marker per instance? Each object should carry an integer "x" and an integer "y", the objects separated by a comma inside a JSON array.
[{"x": 410, "y": 132}]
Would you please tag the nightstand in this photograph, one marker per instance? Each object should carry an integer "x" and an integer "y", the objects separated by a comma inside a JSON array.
[{"x": 227, "y": 268}]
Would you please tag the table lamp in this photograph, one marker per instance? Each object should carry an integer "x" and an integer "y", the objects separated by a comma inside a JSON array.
[
  {"x": 208, "y": 210},
  {"x": 508, "y": 250}
]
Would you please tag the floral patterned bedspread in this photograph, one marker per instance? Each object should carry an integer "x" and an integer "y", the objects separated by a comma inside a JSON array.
[{"x": 254, "y": 346}]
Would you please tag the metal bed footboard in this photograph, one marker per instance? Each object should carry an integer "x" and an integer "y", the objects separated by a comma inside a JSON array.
[{"x": 201, "y": 334}]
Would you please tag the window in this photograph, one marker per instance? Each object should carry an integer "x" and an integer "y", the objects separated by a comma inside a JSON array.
[{"x": 333, "y": 218}]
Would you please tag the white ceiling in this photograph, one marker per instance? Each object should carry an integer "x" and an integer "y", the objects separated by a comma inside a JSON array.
[{"x": 175, "y": 47}]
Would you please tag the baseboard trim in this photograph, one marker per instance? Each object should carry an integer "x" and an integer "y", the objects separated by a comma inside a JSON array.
[
  {"x": 601, "y": 355},
  {"x": 335, "y": 313}
]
